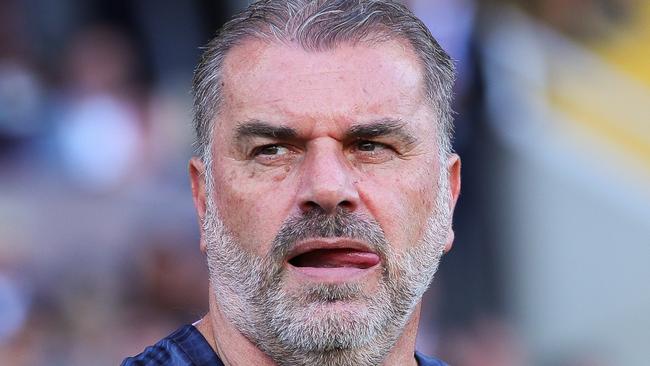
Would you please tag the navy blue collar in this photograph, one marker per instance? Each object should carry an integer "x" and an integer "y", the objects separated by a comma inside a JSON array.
[{"x": 188, "y": 347}]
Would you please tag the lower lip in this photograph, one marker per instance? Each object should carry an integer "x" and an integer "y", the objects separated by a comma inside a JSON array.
[{"x": 333, "y": 274}]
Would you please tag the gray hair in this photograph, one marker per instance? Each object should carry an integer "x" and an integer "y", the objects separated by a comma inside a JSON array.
[{"x": 318, "y": 25}]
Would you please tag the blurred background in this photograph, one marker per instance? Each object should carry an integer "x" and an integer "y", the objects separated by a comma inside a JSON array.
[{"x": 99, "y": 248}]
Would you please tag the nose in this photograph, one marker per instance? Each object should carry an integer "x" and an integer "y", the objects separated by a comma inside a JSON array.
[{"x": 327, "y": 181}]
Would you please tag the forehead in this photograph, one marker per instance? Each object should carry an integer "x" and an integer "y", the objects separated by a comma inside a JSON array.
[{"x": 349, "y": 83}]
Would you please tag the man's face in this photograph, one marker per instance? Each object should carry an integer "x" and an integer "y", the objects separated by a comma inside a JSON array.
[{"x": 328, "y": 212}]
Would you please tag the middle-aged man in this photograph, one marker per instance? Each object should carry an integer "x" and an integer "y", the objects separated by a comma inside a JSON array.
[{"x": 325, "y": 186}]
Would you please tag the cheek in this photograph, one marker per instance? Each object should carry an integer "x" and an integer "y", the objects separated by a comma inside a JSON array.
[
  {"x": 401, "y": 203},
  {"x": 250, "y": 205}
]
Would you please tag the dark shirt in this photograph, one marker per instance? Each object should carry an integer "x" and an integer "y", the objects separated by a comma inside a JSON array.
[{"x": 187, "y": 347}]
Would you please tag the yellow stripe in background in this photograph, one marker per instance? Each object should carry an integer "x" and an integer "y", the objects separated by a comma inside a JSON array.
[
  {"x": 605, "y": 87},
  {"x": 628, "y": 49},
  {"x": 590, "y": 119}
]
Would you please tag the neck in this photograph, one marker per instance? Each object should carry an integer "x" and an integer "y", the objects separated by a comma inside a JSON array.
[
  {"x": 234, "y": 349},
  {"x": 230, "y": 345}
]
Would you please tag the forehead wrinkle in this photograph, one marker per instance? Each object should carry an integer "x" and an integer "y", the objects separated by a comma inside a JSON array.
[{"x": 314, "y": 120}]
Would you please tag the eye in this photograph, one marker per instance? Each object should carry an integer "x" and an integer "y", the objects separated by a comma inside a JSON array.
[
  {"x": 369, "y": 151},
  {"x": 369, "y": 146},
  {"x": 270, "y": 150}
]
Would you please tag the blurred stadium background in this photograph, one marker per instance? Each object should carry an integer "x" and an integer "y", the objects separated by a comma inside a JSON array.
[{"x": 98, "y": 239}]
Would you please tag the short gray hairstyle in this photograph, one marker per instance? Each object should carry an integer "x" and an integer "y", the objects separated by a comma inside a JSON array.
[{"x": 318, "y": 25}]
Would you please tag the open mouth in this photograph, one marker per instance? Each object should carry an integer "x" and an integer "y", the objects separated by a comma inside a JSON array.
[{"x": 335, "y": 258}]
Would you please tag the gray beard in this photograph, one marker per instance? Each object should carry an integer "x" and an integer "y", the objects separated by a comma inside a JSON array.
[{"x": 308, "y": 326}]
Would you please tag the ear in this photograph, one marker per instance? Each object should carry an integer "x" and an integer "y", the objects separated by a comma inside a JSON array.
[
  {"x": 197, "y": 181},
  {"x": 453, "y": 168}
]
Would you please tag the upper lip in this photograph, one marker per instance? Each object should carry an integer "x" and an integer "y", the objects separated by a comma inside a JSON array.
[{"x": 308, "y": 245}]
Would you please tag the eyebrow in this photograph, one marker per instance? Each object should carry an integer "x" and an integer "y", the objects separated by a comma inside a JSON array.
[
  {"x": 387, "y": 127},
  {"x": 257, "y": 128}
]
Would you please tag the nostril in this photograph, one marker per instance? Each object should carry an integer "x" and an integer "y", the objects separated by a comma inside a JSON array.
[
  {"x": 311, "y": 205},
  {"x": 346, "y": 204}
]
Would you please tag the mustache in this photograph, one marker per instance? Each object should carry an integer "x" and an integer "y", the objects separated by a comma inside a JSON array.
[{"x": 316, "y": 223}]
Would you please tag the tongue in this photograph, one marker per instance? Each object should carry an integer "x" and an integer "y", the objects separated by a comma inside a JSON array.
[{"x": 332, "y": 258}]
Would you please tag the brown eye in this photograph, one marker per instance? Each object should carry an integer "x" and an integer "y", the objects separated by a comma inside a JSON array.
[
  {"x": 271, "y": 150},
  {"x": 370, "y": 146},
  {"x": 368, "y": 151}
]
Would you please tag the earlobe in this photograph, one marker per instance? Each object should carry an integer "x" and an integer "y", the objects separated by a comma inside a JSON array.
[{"x": 450, "y": 241}]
